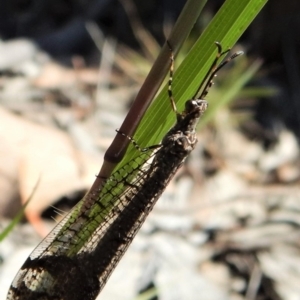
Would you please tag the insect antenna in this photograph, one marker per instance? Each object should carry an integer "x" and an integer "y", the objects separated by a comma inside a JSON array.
[
  {"x": 212, "y": 67},
  {"x": 214, "y": 70}
]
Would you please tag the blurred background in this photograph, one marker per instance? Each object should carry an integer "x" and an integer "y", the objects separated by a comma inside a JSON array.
[{"x": 227, "y": 227}]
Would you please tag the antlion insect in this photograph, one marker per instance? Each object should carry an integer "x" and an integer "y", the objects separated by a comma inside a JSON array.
[{"x": 76, "y": 259}]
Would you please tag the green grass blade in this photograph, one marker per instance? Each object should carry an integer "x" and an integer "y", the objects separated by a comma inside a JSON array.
[
  {"x": 19, "y": 216},
  {"x": 227, "y": 26},
  {"x": 227, "y": 94}
]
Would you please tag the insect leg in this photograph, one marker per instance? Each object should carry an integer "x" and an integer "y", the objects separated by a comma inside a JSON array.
[
  {"x": 170, "y": 92},
  {"x": 136, "y": 145}
]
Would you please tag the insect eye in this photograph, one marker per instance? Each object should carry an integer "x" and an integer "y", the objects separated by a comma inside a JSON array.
[{"x": 190, "y": 105}]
